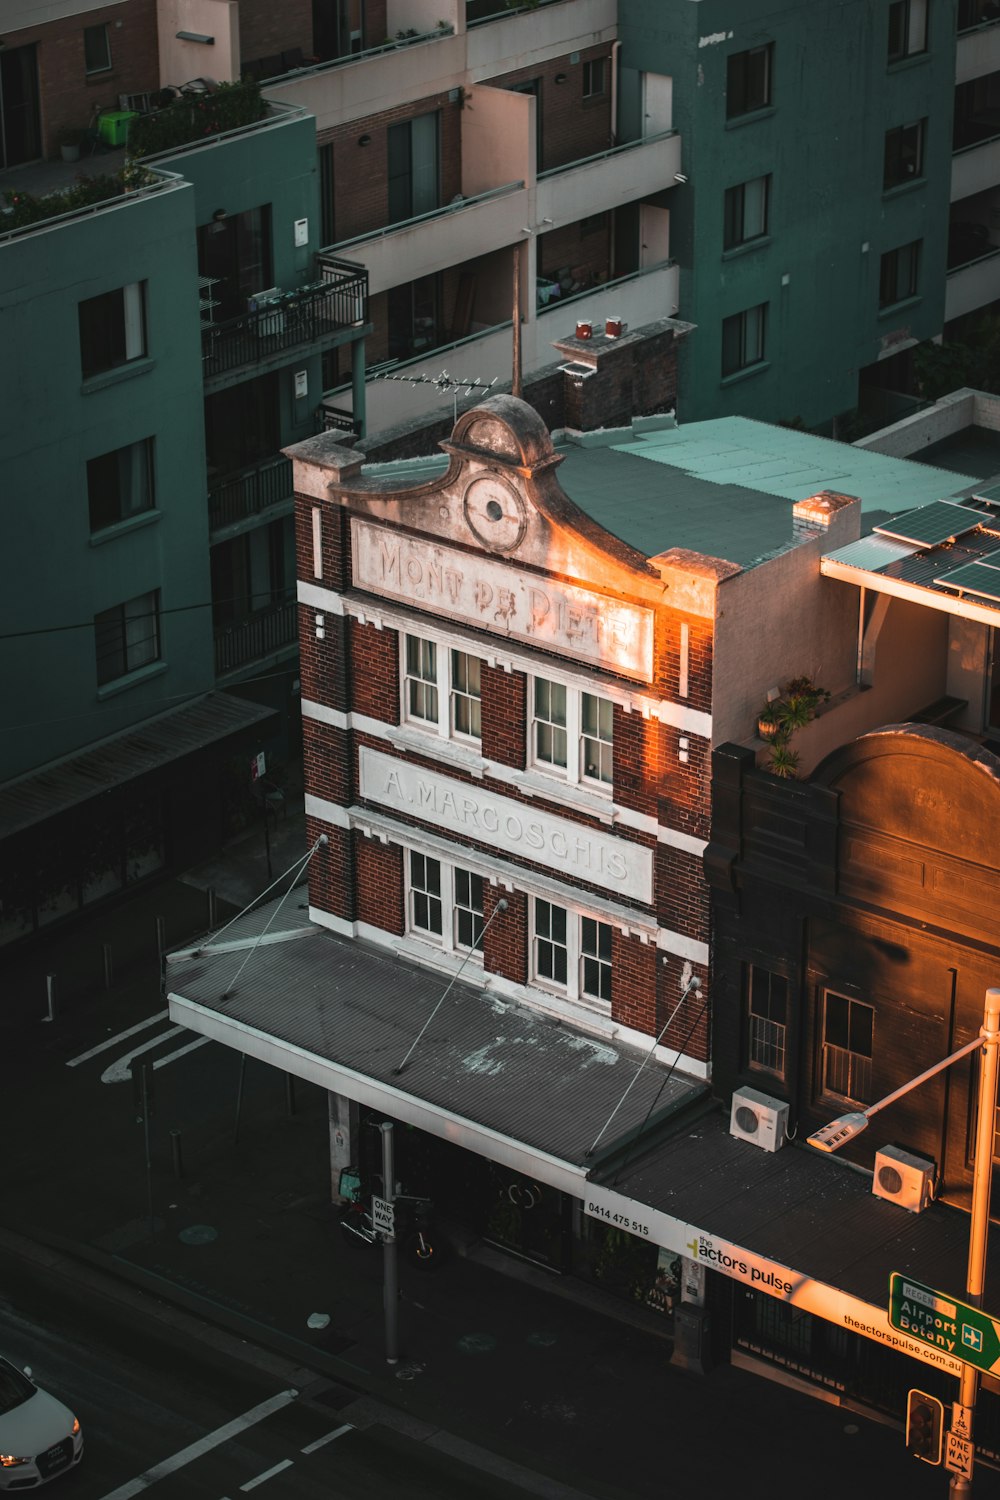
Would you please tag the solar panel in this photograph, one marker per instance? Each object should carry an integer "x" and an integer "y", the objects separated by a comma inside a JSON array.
[
  {"x": 991, "y": 495},
  {"x": 929, "y": 525},
  {"x": 981, "y": 578}
]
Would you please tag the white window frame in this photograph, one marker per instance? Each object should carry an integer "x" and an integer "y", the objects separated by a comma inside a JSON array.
[
  {"x": 576, "y": 956},
  {"x": 450, "y": 882},
  {"x": 575, "y": 769},
  {"x": 442, "y": 683}
]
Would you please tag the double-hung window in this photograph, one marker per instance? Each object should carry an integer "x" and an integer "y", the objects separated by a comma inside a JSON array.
[
  {"x": 848, "y": 1037},
  {"x": 765, "y": 998},
  {"x": 907, "y": 29},
  {"x": 745, "y": 212},
  {"x": 120, "y": 484},
  {"x": 899, "y": 274},
  {"x": 572, "y": 733},
  {"x": 444, "y": 903},
  {"x": 748, "y": 81},
  {"x": 744, "y": 340},
  {"x": 904, "y": 155},
  {"x": 127, "y": 637},
  {"x": 442, "y": 688},
  {"x": 112, "y": 329},
  {"x": 571, "y": 953}
]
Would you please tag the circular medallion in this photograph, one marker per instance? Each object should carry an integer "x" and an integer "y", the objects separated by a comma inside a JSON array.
[{"x": 495, "y": 513}]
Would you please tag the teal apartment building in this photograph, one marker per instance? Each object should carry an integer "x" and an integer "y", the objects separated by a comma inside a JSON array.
[{"x": 811, "y": 224}]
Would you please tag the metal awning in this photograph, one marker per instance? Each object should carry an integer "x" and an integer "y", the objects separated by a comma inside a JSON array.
[
  {"x": 494, "y": 1075},
  {"x": 73, "y": 779}
]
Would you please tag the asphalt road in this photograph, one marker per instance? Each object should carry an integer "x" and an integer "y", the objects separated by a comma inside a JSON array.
[{"x": 165, "y": 1419}]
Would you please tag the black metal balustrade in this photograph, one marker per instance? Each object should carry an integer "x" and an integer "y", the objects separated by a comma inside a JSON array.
[
  {"x": 339, "y": 300},
  {"x": 261, "y": 633},
  {"x": 251, "y": 491}
]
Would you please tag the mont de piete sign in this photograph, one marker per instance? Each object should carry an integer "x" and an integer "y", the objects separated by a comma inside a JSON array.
[
  {"x": 504, "y": 599},
  {"x": 965, "y": 1332}
]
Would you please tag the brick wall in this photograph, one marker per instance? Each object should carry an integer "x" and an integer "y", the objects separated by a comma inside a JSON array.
[
  {"x": 328, "y": 762},
  {"x": 331, "y": 870},
  {"x": 380, "y": 883},
  {"x": 361, "y": 173},
  {"x": 375, "y": 671},
  {"x": 633, "y": 982},
  {"x": 572, "y": 126},
  {"x": 636, "y": 375},
  {"x": 504, "y": 716},
  {"x": 334, "y": 544},
  {"x": 267, "y": 29},
  {"x": 505, "y": 947},
  {"x": 689, "y": 1030},
  {"x": 68, "y": 97},
  {"x": 681, "y": 892}
]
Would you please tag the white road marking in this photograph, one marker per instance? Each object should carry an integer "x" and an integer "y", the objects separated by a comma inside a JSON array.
[
  {"x": 203, "y": 1445},
  {"x": 113, "y": 1041},
  {"x": 328, "y": 1438},
  {"x": 119, "y": 1071},
  {"x": 251, "y": 1484},
  {"x": 199, "y": 1041}
]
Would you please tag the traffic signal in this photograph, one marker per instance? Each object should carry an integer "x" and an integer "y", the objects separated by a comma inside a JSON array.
[{"x": 924, "y": 1426}]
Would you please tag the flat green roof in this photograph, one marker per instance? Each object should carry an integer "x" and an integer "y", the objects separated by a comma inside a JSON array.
[{"x": 724, "y": 487}]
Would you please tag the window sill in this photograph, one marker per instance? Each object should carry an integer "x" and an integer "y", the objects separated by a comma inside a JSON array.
[
  {"x": 892, "y": 309},
  {"x": 899, "y": 189},
  {"x": 582, "y": 798},
  {"x": 912, "y": 60},
  {"x": 437, "y": 747},
  {"x": 127, "y": 371},
  {"x": 123, "y": 528},
  {"x": 751, "y": 117},
  {"x": 131, "y": 680},
  {"x": 759, "y": 242},
  {"x": 746, "y": 373}
]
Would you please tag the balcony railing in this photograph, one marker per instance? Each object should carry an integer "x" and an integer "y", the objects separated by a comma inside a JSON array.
[
  {"x": 339, "y": 300},
  {"x": 250, "y": 492},
  {"x": 259, "y": 635}
]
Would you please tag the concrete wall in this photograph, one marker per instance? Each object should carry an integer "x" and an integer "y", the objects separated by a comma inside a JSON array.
[
  {"x": 181, "y": 61},
  {"x": 57, "y": 576}
]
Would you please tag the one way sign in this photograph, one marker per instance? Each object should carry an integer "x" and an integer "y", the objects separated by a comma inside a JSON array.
[{"x": 958, "y": 1454}]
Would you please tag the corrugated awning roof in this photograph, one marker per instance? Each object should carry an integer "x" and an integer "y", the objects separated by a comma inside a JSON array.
[
  {"x": 342, "y": 1009},
  {"x": 74, "y": 779}
]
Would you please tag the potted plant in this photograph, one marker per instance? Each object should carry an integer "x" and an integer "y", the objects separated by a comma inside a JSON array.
[
  {"x": 784, "y": 761},
  {"x": 768, "y": 721},
  {"x": 70, "y": 141}
]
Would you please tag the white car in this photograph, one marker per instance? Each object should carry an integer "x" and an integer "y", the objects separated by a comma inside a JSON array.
[{"x": 39, "y": 1437}]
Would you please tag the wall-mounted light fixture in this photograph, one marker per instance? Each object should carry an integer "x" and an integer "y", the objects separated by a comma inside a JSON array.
[
  {"x": 560, "y": 78},
  {"x": 364, "y": 140},
  {"x": 195, "y": 36}
]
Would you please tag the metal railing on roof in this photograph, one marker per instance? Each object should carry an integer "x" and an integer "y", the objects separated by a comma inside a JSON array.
[
  {"x": 619, "y": 150},
  {"x": 339, "y": 300}
]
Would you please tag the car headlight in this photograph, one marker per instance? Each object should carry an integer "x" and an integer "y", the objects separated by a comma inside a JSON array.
[
  {"x": 76, "y": 1426},
  {"x": 8, "y": 1461}
]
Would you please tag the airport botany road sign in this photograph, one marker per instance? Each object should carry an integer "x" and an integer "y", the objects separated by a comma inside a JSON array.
[{"x": 965, "y": 1332}]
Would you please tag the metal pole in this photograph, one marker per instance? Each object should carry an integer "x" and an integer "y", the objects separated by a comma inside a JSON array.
[
  {"x": 109, "y": 967},
  {"x": 267, "y": 843},
  {"x": 289, "y": 1095},
  {"x": 515, "y": 385},
  {"x": 982, "y": 1178},
  {"x": 212, "y": 914},
  {"x": 390, "y": 1253},
  {"x": 147, "y": 1138},
  {"x": 161, "y": 938},
  {"x": 175, "y": 1151},
  {"x": 239, "y": 1097},
  {"x": 50, "y": 997}
]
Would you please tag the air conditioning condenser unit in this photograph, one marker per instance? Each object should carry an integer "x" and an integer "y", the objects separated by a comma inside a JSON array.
[
  {"x": 903, "y": 1178},
  {"x": 759, "y": 1119}
]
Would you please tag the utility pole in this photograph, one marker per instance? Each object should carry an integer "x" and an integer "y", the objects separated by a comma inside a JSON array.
[{"x": 390, "y": 1250}]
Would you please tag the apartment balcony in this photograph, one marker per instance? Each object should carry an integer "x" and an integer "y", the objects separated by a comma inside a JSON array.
[
  {"x": 330, "y": 311},
  {"x": 596, "y": 183},
  {"x": 975, "y": 164},
  {"x": 239, "y": 498},
  {"x": 973, "y": 285},
  {"x": 445, "y": 237},
  {"x": 977, "y": 50},
  {"x": 496, "y": 42},
  {"x": 266, "y": 632}
]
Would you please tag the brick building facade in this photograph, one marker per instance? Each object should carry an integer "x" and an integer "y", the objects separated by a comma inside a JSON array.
[{"x": 499, "y": 703}]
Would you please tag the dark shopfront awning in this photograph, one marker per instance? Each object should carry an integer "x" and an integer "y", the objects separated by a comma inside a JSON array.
[
  {"x": 490, "y": 1074},
  {"x": 145, "y": 747},
  {"x": 532, "y": 1093}
]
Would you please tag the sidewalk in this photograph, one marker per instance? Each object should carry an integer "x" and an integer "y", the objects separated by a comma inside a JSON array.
[{"x": 548, "y": 1391}]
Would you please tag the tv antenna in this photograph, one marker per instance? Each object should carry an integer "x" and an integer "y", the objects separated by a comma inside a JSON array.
[{"x": 445, "y": 383}]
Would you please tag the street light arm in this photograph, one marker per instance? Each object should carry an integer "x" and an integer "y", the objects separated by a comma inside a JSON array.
[{"x": 831, "y": 1137}]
